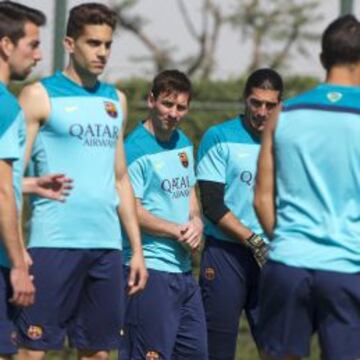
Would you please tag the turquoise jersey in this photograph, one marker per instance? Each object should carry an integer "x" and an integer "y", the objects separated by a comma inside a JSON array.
[
  {"x": 12, "y": 146},
  {"x": 162, "y": 176},
  {"x": 228, "y": 155},
  {"x": 78, "y": 139},
  {"x": 317, "y": 152}
]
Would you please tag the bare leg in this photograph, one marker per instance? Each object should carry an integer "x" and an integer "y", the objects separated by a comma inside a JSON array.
[
  {"x": 93, "y": 355},
  {"x": 27, "y": 354}
]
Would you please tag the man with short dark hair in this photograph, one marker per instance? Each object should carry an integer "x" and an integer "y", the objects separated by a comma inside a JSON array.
[
  {"x": 234, "y": 248},
  {"x": 167, "y": 320},
  {"x": 75, "y": 124},
  {"x": 307, "y": 199},
  {"x": 19, "y": 53}
]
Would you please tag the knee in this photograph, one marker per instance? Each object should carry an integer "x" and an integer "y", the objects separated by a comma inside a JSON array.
[
  {"x": 27, "y": 354},
  {"x": 93, "y": 355}
]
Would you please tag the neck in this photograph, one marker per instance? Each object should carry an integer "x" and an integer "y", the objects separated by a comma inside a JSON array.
[
  {"x": 80, "y": 76},
  {"x": 344, "y": 75},
  {"x": 4, "y": 73},
  {"x": 158, "y": 133},
  {"x": 255, "y": 133}
]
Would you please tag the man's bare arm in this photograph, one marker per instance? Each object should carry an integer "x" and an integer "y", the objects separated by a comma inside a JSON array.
[
  {"x": 23, "y": 289},
  {"x": 36, "y": 106},
  {"x": 127, "y": 213},
  {"x": 155, "y": 225},
  {"x": 264, "y": 200}
]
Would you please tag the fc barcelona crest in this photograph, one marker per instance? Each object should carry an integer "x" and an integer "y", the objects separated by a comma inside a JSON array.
[
  {"x": 184, "y": 159},
  {"x": 152, "y": 355},
  {"x": 111, "y": 109},
  {"x": 34, "y": 332},
  {"x": 209, "y": 273}
]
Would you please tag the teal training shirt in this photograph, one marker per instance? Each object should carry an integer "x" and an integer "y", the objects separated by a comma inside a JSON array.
[
  {"x": 228, "y": 155},
  {"x": 78, "y": 139},
  {"x": 12, "y": 146},
  {"x": 162, "y": 176},
  {"x": 317, "y": 152}
]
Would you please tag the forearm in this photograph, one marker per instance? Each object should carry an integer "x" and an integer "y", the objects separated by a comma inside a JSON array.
[
  {"x": 29, "y": 185},
  {"x": 154, "y": 225},
  {"x": 9, "y": 227},
  {"x": 230, "y": 225},
  {"x": 265, "y": 211},
  {"x": 127, "y": 213},
  {"x": 195, "y": 211}
]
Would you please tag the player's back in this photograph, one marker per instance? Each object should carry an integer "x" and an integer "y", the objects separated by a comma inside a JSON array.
[{"x": 317, "y": 151}]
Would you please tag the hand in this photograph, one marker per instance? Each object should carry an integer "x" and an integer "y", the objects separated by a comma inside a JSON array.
[
  {"x": 22, "y": 287},
  {"x": 258, "y": 247},
  {"x": 53, "y": 186},
  {"x": 191, "y": 233},
  {"x": 138, "y": 274}
]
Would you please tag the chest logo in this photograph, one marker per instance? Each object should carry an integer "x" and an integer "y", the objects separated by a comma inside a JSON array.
[
  {"x": 111, "y": 109},
  {"x": 334, "y": 96},
  {"x": 184, "y": 159}
]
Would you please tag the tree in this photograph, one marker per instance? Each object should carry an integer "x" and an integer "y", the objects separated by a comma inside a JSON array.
[
  {"x": 201, "y": 63},
  {"x": 275, "y": 28}
]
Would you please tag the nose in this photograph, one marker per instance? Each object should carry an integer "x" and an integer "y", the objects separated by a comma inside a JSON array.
[
  {"x": 102, "y": 51},
  {"x": 263, "y": 111},
  {"x": 38, "y": 55},
  {"x": 173, "y": 112}
]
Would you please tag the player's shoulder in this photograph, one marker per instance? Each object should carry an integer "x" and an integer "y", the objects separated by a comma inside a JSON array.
[
  {"x": 136, "y": 144},
  {"x": 326, "y": 96},
  {"x": 9, "y": 109},
  {"x": 182, "y": 140},
  {"x": 109, "y": 91},
  {"x": 220, "y": 132},
  {"x": 34, "y": 91}
]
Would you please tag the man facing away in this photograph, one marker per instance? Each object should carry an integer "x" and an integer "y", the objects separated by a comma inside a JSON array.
[
  {"x": 234, "y": 249},
  {"x": 166, "y": 321},
  {"x": 75, "y": 125},
  {"x": 19, "y": 53},
  {"x": 307, "y": 199}
]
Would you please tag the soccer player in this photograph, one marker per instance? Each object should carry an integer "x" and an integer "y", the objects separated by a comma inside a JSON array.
[
  {"x": 75, "y": 125},
  {"x": 19, "y": 53},
  {"x": 166, "y": 321},
  {"x": 307, "y": 199},
  {"x": 234, "y": 248}
]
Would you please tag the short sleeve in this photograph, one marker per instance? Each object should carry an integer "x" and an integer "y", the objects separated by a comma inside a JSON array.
[
  {"x": 211, "y": 158},
  {"x": 9, "y": 142}
]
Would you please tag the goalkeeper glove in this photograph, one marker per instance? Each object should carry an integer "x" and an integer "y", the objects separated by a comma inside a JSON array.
[{"x": 258, "y": 247}]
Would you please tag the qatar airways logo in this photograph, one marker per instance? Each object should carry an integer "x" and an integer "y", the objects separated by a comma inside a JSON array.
[
  {"x": 95, "y": 135},
  {"x": 177, "y": 187}
]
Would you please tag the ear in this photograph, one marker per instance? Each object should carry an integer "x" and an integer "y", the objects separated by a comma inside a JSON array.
[
  {"x": 151, "y": 100},
  {"x": 7, "y": 46},
  {"x": 69, "y": 44}
]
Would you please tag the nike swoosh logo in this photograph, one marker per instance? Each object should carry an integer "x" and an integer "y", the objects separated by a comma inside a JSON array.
[
  {"x": 159, "y": 165},
  {"x": 71, "y": 108}
]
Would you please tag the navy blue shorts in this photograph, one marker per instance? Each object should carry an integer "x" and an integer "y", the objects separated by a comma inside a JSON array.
[
  {"x": 229, "y": 279},
  {"x": 79, "y": 293},
  {"x": 7, "y": 314},
  {"x": 296, "y": 302},
  {"x": 166, "y": 321}
]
